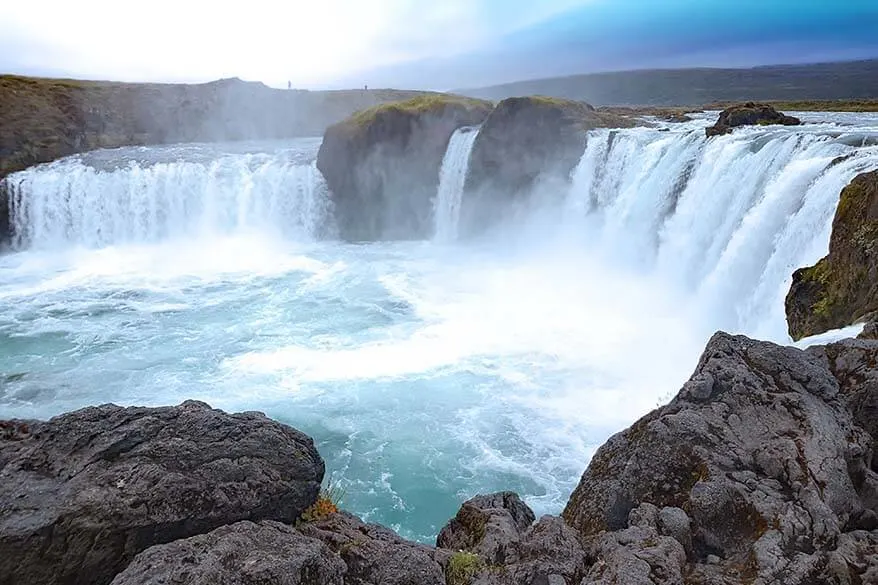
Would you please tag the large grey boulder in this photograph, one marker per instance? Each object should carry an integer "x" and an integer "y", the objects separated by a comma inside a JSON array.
[
  {"x": 766, "y": 451},
  {"x": 83, "y": 493},
  {"x": 488, "y": 525},
  {"x": 240, "y": 554},
  {"x": 375, "y": 555},
  {"x": 499, "y": 530}
]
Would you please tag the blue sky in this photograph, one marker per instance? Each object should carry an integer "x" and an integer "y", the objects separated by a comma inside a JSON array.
[{"x": 436, "y": 45}]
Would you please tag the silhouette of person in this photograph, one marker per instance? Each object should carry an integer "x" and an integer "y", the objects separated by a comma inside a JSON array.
[{"x": 289, "y": 85}]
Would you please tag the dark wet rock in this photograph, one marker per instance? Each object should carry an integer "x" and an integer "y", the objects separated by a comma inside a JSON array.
[
  {"x": 83, "y": 493},
  {"x": 488, "y": 525},
  {"x": 842, "y": 288},
  {"x": 375, "y": 555},
  {"x": 239, "y": 554},
  {"x": 382, "y": 164},
  {"x": 767, "y": 451},
  {"x": 525, "y": 141},
  {"x": 750, "y": 114}
]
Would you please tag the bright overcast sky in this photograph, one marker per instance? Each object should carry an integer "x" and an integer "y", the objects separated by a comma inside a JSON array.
[
  {"x": 313, "y": 42},
  {"x": 436, "y": 44}
]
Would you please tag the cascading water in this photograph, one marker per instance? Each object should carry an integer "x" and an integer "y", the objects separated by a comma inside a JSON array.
[
  {"x": 727, "y": 219},
  {"x": 426, "y": 373},
  {"x": 85, "y": 200},
  {"x": 452, "y": 178}
]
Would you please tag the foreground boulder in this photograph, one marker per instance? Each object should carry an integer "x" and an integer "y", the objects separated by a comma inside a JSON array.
[
  {"x": 496, "y": 543},
  {"x": 242, "y": 554},
  {"x": 83, "y": 493},
  {"x": 382, "y": 164},
  {"x": 749, "y": 114},
  {"x": 842, "y": 288},
  {"x": 523, "y": 141},
  {"x": 760, "y": 470},
  {"x": 375, "y": 555}
]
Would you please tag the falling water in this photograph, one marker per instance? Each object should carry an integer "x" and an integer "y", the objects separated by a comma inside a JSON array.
[
  {"x": 90, "y": 203},
  {"x": 452, "y": 178},
  {"x": 726, "y": 219}
]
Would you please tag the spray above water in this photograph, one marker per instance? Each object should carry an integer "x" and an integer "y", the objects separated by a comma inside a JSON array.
[{"x": 452, "y": 178}]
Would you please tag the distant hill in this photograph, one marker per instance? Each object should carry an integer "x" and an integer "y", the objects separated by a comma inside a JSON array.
[
  {"x": 695, "y": 87},
  {"x": 42, "y": 119}
]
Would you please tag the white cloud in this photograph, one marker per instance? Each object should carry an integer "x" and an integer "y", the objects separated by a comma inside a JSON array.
[{"x": 309, "y": 42}]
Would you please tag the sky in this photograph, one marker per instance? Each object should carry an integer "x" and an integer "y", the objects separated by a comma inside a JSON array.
[{"x": 440, "y": 44}]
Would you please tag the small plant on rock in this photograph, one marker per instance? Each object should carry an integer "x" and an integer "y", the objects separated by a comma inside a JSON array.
[
  {"x": 327, "y": 503},
  {"x": 462, "y": 567}
]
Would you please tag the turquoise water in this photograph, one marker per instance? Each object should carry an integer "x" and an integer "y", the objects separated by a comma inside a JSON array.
[{"x": 426, "y": 372}]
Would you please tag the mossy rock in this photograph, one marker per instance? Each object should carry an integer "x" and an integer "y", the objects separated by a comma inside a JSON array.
[
  {"x": 382, "y": 164},
  {"x": 842, "y": 288}
]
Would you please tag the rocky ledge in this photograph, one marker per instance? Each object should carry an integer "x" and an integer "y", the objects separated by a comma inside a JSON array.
[
  {"x": 761, "y": 471},
  {"x": 382, "y": 164},
  {"x": 842, "y": 288},
  {"x": 749, "y": 114}
]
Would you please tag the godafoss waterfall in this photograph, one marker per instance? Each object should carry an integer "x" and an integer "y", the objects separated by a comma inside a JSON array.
[{"x": 426, "y": 370}]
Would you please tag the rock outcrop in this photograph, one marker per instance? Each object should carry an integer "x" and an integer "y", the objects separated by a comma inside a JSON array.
[
  {"x": 382, "y": 164},
  {"x": 842, "y": 288},
  {"x": 375, "y": 555},
  {"x": 523, "y": 141},
  {"x": 749, "y": 114},
  {"x": 761, "y": 470},
  {"x": 83, "y": 493},
  {"x": 241, "y": 554}
]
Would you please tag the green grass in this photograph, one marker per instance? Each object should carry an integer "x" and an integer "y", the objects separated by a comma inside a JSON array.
[
  {"x": 416, "y": 105},
  {"x": 462, "y": 567}
]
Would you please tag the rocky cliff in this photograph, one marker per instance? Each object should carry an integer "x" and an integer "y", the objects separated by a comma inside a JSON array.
[
  {"x": 382, "y": 165},
  {"x": 762, "y": 470},
  {"x": 843, "y": 287},
  {"x": 44, "y": 119}
]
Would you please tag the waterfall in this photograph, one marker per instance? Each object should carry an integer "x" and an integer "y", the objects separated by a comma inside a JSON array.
[
  {"x": 73, "y": 202},
  {"x": 726, "y": 220},
  {"x": 452, "y": 178}
]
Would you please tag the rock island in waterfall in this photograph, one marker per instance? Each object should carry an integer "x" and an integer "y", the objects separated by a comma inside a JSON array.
[{"x": 589, "y": 297}]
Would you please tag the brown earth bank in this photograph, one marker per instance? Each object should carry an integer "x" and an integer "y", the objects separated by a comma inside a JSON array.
[
  {"x": 842, "y": 288},
  {"x": 762, "y": 470},
  {"x": 44, "y": 119}
]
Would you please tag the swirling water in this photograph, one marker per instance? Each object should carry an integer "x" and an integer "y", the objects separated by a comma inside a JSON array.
[{"x": 426, "y": 371}]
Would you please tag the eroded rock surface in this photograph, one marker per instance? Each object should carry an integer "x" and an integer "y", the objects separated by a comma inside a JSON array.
[
  {"x": 240, "y": 554},
  {"x": 83, "y": 493},
  {"x": 766, "y": 450}
]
